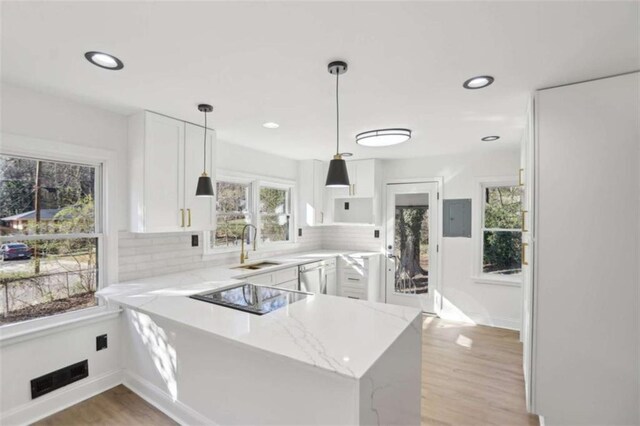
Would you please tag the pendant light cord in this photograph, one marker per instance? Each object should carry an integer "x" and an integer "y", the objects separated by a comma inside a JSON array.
[
  {"x": 337, "y": 115},
  {"x": 204, "y": 159}
]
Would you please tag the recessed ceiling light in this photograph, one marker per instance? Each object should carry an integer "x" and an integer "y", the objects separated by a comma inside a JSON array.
[
  {"x": 104, "y": 60},
  {"x": 347, "y": 154},
  {"x": 383, "y": 137},
  {"x": 478, "y": 82},
  {"x": 490, "y": 138},
  {"x": 271, "y": 125}
]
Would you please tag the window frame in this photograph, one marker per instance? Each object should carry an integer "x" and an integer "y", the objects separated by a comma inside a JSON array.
[
  {"x": 105, "y": 161},
  {"x": 255, "y": 182},
  {"x": 481, "y": 184},
  {"x": 250, "y": 201},
  {"x": 276, "y": 185}
]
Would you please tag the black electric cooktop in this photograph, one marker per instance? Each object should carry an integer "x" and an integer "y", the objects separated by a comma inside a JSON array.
[{"x": 255, "y": 299}]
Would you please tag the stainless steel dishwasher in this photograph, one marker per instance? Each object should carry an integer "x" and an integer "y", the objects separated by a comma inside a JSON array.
[{"x": 318, "y": 277}]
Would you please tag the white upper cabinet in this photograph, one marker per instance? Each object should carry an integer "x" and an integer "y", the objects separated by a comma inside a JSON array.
[
  {"x": 311, "y": 193},
  {"x": 166, "y": 159}
]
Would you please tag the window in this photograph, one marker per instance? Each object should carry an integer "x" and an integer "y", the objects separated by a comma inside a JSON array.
[
  {"x": 50, "y": 237},
  {"x": 242, "y": 201},
  {"x": 233, "y": 212},
  {"x": 501, "y": 230},
  {"x": 275, "y": 215}
]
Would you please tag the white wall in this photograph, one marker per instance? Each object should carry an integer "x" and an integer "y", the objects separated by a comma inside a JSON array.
[
  {"x": 34, "y": 114},
  {"x": 465, "y": 299},
  {"x": 38, "y": 115},
  {"x": 25, "y": 360},
  {"x": 246, "y": 160}
]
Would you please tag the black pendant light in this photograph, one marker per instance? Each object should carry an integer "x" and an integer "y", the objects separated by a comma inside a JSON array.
[
  {"x": 205, "y": 187},
  {"x": 338, "y": 176}
]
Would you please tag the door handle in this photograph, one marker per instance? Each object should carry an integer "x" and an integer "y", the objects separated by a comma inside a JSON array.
[
  {"x": 524, "y": 254},
  {"x": 182, "y": 216},
  {"x": 189, "y": 217},
  {"x": 523, "y": 218},
  {"x": 521, "y": 177}
]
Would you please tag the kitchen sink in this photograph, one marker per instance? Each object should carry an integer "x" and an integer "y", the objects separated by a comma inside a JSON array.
[{"x": 259, "y": 265}]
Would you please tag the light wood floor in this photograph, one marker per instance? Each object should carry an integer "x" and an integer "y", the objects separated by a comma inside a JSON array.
[{"x": 471, "y": 375}]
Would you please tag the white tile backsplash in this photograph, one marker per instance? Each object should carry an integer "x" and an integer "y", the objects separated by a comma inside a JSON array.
[
  {"x": 352, "y": 238},
  {"x": 146, "y": 255}
]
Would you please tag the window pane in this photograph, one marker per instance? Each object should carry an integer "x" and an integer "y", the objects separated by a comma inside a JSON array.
[
  {"x": 45, "y": 197},
  {"x": 45, "y": 277},
  {"x": 502, "y": 207},
  {"x": 232, "y": 197},
  {"x": 232, "y": 205},
  {"x": 502, "y": 251},
  {"x": 274, "y": 214},
  {"x": 229, "y": 229}
]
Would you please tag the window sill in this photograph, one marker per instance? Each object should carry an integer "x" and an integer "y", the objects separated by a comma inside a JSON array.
[
  {"x": 510, "y": 282},
  {"x": 32, "y": 329}
]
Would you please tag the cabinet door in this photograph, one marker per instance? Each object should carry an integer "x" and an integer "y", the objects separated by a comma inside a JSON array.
[
  {"x": 310, "y": 193},
  {"x": 164, "y": 174},
  {"x": 200, "y": 211},
  {"x": 319, "y": 180},
  {"x": 364, "y": 179},
  {"x": 332, "y": 281}
]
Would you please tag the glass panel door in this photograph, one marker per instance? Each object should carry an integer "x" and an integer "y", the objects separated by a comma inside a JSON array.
[{"x": 411, "y": 266}]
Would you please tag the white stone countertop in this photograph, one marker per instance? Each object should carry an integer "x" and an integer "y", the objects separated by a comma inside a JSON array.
[{"x": 333, "y": 333}]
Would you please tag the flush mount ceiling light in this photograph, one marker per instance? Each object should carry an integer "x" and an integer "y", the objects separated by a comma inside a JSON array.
[
  {"x": 271, "y": 125},
  {"x": 104, "y": 60},
  {"x": 205, "y": 186},
  {"x": 490, "y": 138},
  {"x": 478, "y": 82},
  {"x": 337, "y": 177},
  {"x": 383, "y": 137}
]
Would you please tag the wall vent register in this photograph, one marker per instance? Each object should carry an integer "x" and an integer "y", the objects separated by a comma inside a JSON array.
[{"x": 59, "y": 378}]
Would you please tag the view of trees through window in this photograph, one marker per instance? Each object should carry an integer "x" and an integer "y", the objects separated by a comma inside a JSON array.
[
  {"x": 58, "y": 272},
  {"x": 502, "y": 232},
  {"x": 232, "y": 208},
  {"x": 412, "y": 248},
  {"x": 274, "y": 214}
]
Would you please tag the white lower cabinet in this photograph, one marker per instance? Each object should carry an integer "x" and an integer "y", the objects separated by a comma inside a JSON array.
[
  {"x": 359, "y": 277},
  {"x": 285, "y": 278}
]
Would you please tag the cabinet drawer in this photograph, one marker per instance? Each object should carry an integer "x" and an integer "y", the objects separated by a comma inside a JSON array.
[
  {"x": 353, "y": 279},
  {"x": 286, "y": 275},
  {"x": 289, "y": 285},
  {"x": 352, "y": 293},
  {"x": 266, "y": 279}
]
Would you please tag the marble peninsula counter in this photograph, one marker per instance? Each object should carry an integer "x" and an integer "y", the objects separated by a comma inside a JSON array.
[{"x": 321, "y": 360}]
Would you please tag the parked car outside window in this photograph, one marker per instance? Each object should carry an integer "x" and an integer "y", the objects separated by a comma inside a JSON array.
[{"x": 12, "y": 251}]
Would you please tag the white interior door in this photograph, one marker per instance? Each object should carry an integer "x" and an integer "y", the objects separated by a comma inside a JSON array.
[{"x": 411, "y": 241}]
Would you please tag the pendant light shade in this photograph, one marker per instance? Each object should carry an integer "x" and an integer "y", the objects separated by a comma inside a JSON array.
[
  {"x": 338, "y": 176},
  {"x": 205, "y": 186}
]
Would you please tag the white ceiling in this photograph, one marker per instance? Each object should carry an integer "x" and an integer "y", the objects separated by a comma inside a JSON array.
[{"x": 266, "y": 61}]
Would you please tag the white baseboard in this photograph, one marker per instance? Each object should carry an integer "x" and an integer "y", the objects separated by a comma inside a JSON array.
[
  {"x": 155, "y": 396},
  {"x": 60, "y": 399}
]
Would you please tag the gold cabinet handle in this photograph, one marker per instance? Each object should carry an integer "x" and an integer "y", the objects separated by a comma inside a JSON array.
[
  {"x": 189, "y": 217},
  {"x": 523, "y": 219},
  {"x": 182, "y": 220},
  {"x": 354, "y": 189},
  {"x": 521, "y": 177},
  {"x": 524, "y": 253}
]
